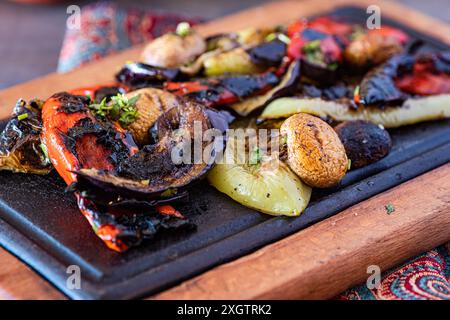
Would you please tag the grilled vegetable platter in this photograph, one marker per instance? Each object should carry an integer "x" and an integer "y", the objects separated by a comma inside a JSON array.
[{"x": 293, "y": 108}]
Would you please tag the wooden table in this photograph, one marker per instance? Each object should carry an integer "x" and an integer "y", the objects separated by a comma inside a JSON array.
[{"x": 318, "y": 262}]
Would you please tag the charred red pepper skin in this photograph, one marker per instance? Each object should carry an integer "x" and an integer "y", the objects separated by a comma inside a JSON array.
[
  {"x": 56, "y": 124},
  {"x": 330, "y": 26},
  {"x": 169, "y": 210},
  {"x": 330, "y": 30},
  {"x": 90, "y": 154},
  {"x": 92, "y": 90},
  {"x": 424, "y": 84},
  {"x": 223, "y": 91},
  {"x": 107, "y": 232},
  {"x": 424, "y": 80},
  {"x": 333, "y": 30}
]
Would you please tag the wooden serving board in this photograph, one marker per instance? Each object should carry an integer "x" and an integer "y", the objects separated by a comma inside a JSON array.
[{"x": 318, "y": 262}]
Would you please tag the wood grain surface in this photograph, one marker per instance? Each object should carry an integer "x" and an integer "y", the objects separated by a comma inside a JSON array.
[
  {"x": 325, "y": 259},
  {"x": 318, "y": 262},
  {"x": 17, "y": 281}
]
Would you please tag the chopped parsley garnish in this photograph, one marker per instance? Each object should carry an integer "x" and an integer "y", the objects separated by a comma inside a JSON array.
[
  {"x": 22, "y": 116},
  {"x": 119, "y": 108},
  {"x": 333, "y": 66},
  {"x": 389, "y": 208},
  {"x": 169, "y": 192},
  {"x": 283, "y": 140},
  {"x": 313, "y": 53},
  {"x": 183, "y": 29},
  {"x": 349, "y": 165},
  {"x": 311, "y": 46},
  {"x": 280, "y": 36},
  {"x": 255, "y": 156},
  {"x": 45, "y": 152}
]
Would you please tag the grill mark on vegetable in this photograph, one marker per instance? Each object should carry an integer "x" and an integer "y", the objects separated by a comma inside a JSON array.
[{"x": 71, "y": 103}]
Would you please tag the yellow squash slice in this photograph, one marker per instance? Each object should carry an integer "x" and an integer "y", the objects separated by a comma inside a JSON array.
[
  {"x": 410, "y": 112},
  {"x": 268, "y": 186}
]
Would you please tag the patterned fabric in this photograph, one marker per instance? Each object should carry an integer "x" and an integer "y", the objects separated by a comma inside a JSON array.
[
  {"x": 423, "y": 278},
  {"x": 106, "y": 29}
]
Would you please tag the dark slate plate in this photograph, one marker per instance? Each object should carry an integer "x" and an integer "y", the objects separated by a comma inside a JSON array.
[{"x": 43, "y": 227}]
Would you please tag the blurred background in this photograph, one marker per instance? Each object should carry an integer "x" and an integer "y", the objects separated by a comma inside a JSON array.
[{"x": 32, "y": 32}]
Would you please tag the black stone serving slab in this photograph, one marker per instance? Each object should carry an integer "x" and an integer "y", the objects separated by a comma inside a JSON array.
[{"x": 42, "y": 226}]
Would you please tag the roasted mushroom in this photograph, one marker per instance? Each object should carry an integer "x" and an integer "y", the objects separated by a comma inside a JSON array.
[
  {"x": 364, "y": 142},
  {"x": 174, "y": 49},
  {"x": 375, "y": 46},
  {"x": 315, "y": 152},
  {"x": 152, "y": 103},
  {"x": 20, "y": 144}
]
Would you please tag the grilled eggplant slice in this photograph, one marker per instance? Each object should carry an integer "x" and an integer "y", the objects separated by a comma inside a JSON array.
[
  {"x": 270, "y": 53},
  {"x": 286, "y": 86},
  {"x": 378, "y": 86},
  {"x": 167, "y": 164},
  {"x": 409, "y": 112},
  {"x": 226, "y": 90},
  {"x": 364, "y": 142},
  {"x": 139, "y": 75},
  {"x": 20, "y": 143},
  {"x": 404, "y": 76}
]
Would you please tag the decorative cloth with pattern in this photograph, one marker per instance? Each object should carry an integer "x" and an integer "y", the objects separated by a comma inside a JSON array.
[
  {"x": 425, "y": 277},
  {"x": 106, "y": 28}
]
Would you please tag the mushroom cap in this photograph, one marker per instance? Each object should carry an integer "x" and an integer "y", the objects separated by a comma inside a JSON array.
[
  {"x": 364, "y": 142},
  {"x": 315, "y": 152},
  {"x": 172, "y": 50},
  {"x": 152, "y": 103}
]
